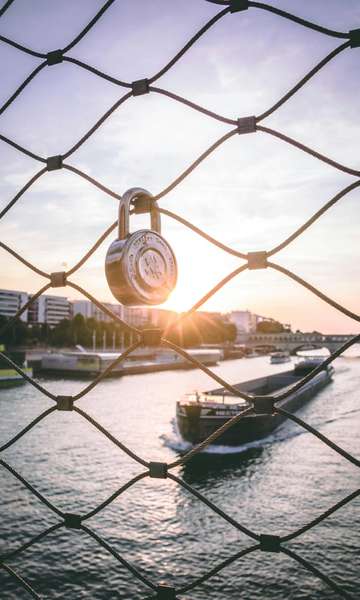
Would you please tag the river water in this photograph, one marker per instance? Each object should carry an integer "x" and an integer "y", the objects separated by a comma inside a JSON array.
[{"x": 273, "y": 487}]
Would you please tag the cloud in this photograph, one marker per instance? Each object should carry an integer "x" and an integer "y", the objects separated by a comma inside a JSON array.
[{"x": 252, "y": 192}]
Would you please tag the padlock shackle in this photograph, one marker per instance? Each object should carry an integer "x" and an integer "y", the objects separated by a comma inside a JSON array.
[{"x": 124, "y": 211}]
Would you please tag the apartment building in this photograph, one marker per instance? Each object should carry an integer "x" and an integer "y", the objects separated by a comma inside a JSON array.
[
  {"x": 11, "y": 301},
  {"x": 133, "y": 315},
  {"x": 89, "y": 310},
  {"x": 50, "y": 310}
]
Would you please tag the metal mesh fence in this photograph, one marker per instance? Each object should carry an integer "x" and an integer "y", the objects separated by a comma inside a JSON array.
[{"x": 259, "y": 404}]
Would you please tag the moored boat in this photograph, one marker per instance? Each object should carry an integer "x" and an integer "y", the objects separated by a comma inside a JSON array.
[
  {"x": 91, "y": 364},
  {"x": 199, "y": 415},
  {"x": 277, "y": 358}
]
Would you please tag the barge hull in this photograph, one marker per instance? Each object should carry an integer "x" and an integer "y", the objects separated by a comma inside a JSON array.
[{"x": 251, "y": 427}]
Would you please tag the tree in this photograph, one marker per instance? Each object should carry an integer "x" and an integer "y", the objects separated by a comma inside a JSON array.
[
  {"x": 81, "y": 331},
  {"x": 61, "y": 335},
  {"x": 198, "y": 329},
  {"x": 270, "y": 327},
  {"x": 202, "y": 328},
  {"x": 15, "y": 335}
]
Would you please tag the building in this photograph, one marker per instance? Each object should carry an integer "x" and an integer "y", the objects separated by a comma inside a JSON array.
[
  {"x": 83, "y": 307},
  {"x": 45, "y": 309},
  {"x": 149, "y": 316},
  {"x": 136, "y": 316},
  {"x": 11, "y": 301},
  {"x": 49, "y": 310},
  {"x": 89, "y": 310},
  {"x": 244, "y": 321},
  {"x": 162, "y": 318}
]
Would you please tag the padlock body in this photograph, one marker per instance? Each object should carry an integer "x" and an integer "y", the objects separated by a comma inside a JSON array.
[{"x": 141, "y": 269}]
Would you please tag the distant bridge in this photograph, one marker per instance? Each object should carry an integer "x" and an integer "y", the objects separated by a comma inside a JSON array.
[{"x": 292, "y": 342}]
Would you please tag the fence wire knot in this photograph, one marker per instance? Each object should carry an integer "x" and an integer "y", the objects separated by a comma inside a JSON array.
[
  {"x": 270, "y": 543},
  {"x": 53, "y": 163},
  {"x": 264, "y": 406},
  {"x": 237, "y": 5},
  {"x": 65, "y": 403},
  {"x": 140, "y": 87},
  {"x": 158, "y": 470},
  {"x": 164, "y": 592},
  {"x": 58, "y": 279},
  {"x": 151, "y": 337},
  {"x": 72, "y": 521},
  {"x": 257, "y": 260},
  {"x": 246, "y": 125},
  {"x": 354, "y": 38},
  {"x": 54, "y": 57}
]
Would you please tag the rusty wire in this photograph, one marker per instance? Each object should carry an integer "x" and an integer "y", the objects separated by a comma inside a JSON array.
[{"x": 267, "y": 543}]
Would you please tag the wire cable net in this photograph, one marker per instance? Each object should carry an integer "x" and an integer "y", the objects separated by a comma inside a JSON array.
[{"x": 264, "y": 404}]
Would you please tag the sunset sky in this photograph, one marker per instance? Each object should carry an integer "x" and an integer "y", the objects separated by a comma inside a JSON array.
[{"x": 252, "y": 193}]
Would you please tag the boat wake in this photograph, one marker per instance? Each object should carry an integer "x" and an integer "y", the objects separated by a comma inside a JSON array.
[
  {"x": 178, "y": 444},
  {"x": 285, "y": 432}
]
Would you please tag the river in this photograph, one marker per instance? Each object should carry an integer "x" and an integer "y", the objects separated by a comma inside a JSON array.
[{"x": 274, "y": 486}]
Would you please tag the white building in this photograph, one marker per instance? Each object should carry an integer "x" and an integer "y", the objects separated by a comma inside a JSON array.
[
  {"x": 50, "y": 310},
  {"x": 161, "y": 317},
  {"x": 11, "y": 301},
  {"x": 244, "y": 321},
  {"x": 151, "y": 316},
  {"x": 136, "y": 316},
  {"x": 83, "y": 307},
  {"x": 89, "y": 310},
  {"x": 46, "y": 309}
]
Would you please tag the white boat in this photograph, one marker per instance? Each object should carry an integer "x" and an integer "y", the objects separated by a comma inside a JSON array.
[
  {"x": 93, "y": 363},
  {"x": 279, "y": 357}
]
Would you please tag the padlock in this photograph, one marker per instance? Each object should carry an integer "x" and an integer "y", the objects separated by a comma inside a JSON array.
[{"x": 140, "y": 267}]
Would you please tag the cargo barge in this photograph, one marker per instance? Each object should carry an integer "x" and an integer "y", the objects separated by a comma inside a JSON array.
[{"x": 201, "y": 414}]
